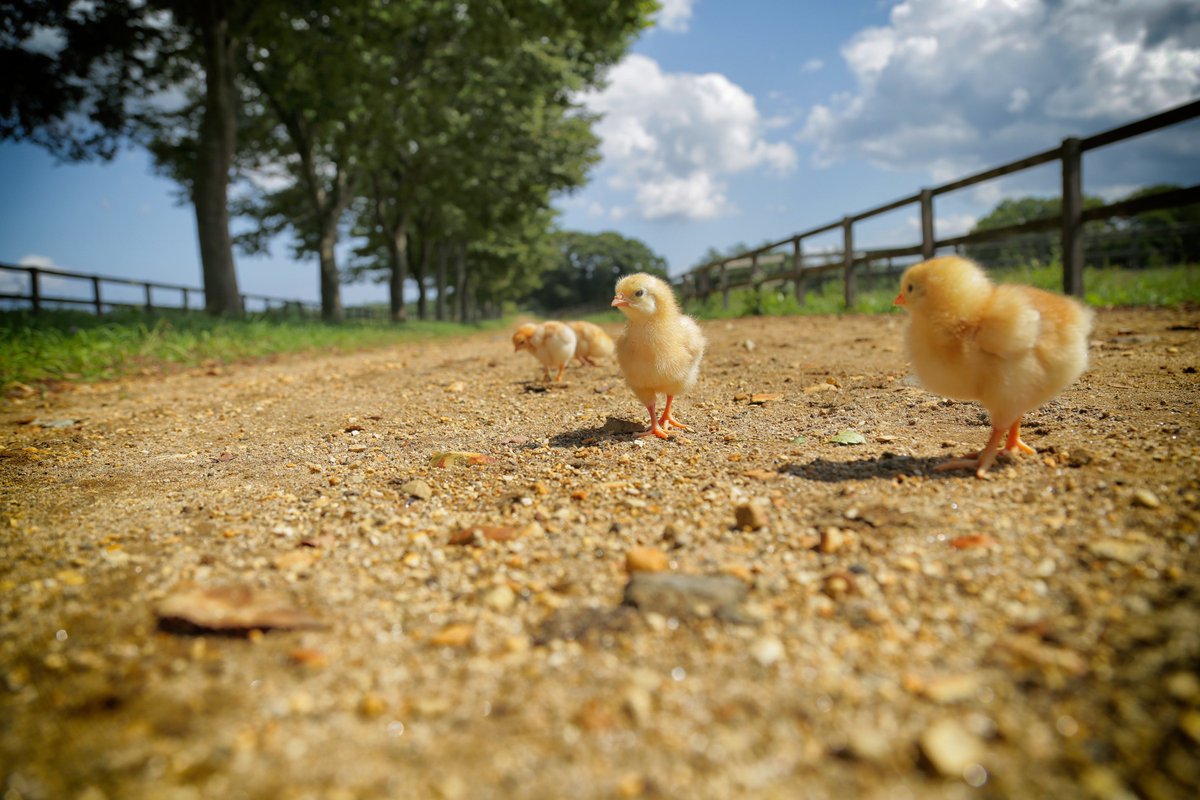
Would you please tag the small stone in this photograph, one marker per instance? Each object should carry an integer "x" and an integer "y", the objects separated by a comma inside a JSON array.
[
  {"x": 372, "y": 705},
  {"x": 869, "y": 744},
  {"x": 952, "y": 688},
  {"x": 1119, "y": 550},
  {"x": 631, "y": 785},
  {"x": 839, "y": 584},
  {"x": 1184, "y": 686},
  {"x": 767, "y": 651},
  {"x": 456, "y": 635},
  {"x": 950, "y": 748},
  {"x": 1145, "y": 498},
  {"x": 645, "y": 559},
  {"x": 750, "y": 516},
  {"x": 832, "y": 540},
  {"x": 673, "y": 594},
  {"x": 416, "y": 488},
  {"x": 1189, "y": 723},
  {"x": 478, "y": 534},
  {"x": 639, "y": 703},
  {"x": 500, "y": 598}
]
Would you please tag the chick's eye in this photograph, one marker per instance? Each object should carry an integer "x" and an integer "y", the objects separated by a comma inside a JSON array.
[
  {"x": 910, "y": 287},
  {"x": 639, "y": 293}
]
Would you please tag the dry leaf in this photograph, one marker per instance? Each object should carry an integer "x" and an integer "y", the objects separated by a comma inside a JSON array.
[
  {"x": 847, "y": 437},
  {"x": 231, "y": 610},
  {"x": 458, "y": 458},
  {"x": 760, "y": 474},
  {"x": 759, "y": 399},
  {"x": 820, "y": 387},
  {"x": 973, "y": 540},
  {"x": 477, "y": 534}
]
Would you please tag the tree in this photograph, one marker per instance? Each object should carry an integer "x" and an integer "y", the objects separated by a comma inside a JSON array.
[
  {"x": 103, "y": 79},
  {"x": 588, "y": 266}
]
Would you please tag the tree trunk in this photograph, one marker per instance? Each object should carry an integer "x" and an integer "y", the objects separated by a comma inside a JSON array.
[
  {"x": 460, "y": 281},
  {"x": 420, "y": 268},
  {"x": 440, "y": 307},
  {"x": 210, "y": 188},
  {"x": 398, "y": 254},
  {"x": 331, "y": 285}
]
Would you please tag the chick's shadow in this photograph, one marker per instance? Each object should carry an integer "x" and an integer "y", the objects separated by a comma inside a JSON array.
[
  {"x": 615, "y": 430},
  {"x": 877, "y": 468}
]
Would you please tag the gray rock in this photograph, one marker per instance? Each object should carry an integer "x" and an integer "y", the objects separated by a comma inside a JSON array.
[{"x": 678, "y": 595}]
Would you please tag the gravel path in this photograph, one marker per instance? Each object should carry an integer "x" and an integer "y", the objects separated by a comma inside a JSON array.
[{"x": 252, "y": 581}]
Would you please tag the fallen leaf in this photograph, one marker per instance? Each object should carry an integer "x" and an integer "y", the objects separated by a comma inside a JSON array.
[
  {"x": 230, "y": 610},
  {"x": 761, "y": 474},
  {"x": 458, "y": 458},
  {"x": 226, "y": 456},
  {"x": 973, "y": 540},
  {"x": 477, "y": 534},
  {"x": 759, "y": 399},
  {"x": 847, "y": 437},
  {"x": 800, "y": 440}
]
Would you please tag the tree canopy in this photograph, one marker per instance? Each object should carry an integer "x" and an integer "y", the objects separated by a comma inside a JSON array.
[{"x": 439, "y": 132}]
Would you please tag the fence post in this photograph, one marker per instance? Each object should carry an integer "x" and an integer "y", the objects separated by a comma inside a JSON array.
[
  {"x": 799, "y": 279},
  {"x": 1072, "y": 216},
  {"x": 848, "y": 260},
  {"x": 35, "y": 291},
  {"x": 185, "y": 298},
  {"x": 149, "y": 303},
  {"x": 725, "y": 285},
  {"x": 96, "y": 295},
  {"x": 928, "y": 245}
]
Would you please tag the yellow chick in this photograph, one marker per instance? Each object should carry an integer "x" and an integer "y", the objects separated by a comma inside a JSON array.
[
  {"x": 591, "y": 342},
  {"x": 551, "y": 343},
  {"x": 660, "y": 349},
  {"x": 1011, "y": 348}
]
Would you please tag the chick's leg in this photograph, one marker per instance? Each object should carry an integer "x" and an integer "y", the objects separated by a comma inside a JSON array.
[
  {"x": 1014, "y": 441},
  {"x": 980, "y": 463},
  {"x": 558, "y": 377},
  {"x": 667, "y": 421},
  {"x": 655, "y": 428}
]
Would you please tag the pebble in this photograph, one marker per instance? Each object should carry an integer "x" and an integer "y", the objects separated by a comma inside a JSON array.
[
  {"x": 767, "y": 651},
  {"x": 416, "y": 488},
  {"x": 1119, "y": 550},
  {"x": 952, "y": 688},
  {"x": 950, "y": 748},
  {"x": 832, "y": 540},
  {"x": 680, "y": 595},
  {"x": 869, "y": 744},
  {"x": 645, "y": 559},
  {"x": 750, "y": 516},
  {"x": 500, "y": 598},
  {"x": 456, "y": 635},
  {"x": 1145, "y": 498}
]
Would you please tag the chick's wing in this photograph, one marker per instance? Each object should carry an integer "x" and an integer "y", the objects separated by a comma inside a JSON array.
[{"x": 1010, "y": 324}]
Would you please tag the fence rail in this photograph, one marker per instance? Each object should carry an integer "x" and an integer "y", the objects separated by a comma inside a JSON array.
[
  {"x": 99, "y": 302},
  {"x": 766, "y": 265}
]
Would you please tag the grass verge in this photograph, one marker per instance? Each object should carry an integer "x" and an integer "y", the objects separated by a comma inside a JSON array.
[{"x": 73, "y": 345}]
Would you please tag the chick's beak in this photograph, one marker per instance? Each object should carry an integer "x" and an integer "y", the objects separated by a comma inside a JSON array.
[
  {"x": 619, "y": 301},
  {"x": 899, "y": 301}
]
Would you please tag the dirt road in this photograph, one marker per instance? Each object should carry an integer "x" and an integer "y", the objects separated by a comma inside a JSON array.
[{"x": 901, "y": 634}]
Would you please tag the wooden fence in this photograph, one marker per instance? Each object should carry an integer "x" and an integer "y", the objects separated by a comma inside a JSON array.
[
  {"x": 755, "y": 268},
  {"x": 96, "y": 300}
]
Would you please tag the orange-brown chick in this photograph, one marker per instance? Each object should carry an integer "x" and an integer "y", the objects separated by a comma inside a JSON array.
[
  {"x": 591, "y": 342},
  {"x": 551, "y": 343},
  {"x": 1011, "y": 348},
  {"x": 659, "y": 350}
]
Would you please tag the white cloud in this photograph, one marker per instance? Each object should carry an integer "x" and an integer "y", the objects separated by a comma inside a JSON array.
[
  {"x": 676, "y": 15},
  {"x": 812, "y": 65},
  {"x": 670, "y": 138},
  {"x": 35, "y": 260},
  {"x": 952, "y": 85}
]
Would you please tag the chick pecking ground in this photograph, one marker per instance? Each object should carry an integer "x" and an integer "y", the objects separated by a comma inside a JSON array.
[{"x": 407, "y": 573}]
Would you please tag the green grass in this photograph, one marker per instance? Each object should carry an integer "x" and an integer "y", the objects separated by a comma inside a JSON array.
[
  {"x": 71, "y": 345},
  {"x": 1104, "y": 287}
]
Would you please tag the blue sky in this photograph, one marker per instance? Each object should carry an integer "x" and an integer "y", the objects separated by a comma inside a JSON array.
[{"x": 745, "y": 121}]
